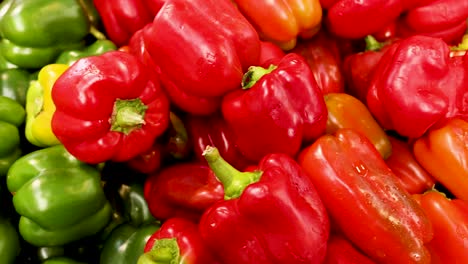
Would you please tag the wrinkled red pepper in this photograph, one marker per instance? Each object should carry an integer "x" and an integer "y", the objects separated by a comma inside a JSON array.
[
  {"x": 357, "y": 187},
  {"x": 212, "y": 45},
  {"x": 414, "y": 178},
  {"x": 323, "y": 57},
  {"x": 418, "y": 85},
  {"x": 177, "y": 241},
  {"x": 443, "y": 152},
  {"x": 182, "y": 190},
  {"x": 280, "y": 103},
  {"x": 272, "y": 215},
  {"x": 449, "y": 219},
  {"x": 213, "y": 130},
  {"x": 341, "y": 251},
  {"x": 108, "y": 107}
]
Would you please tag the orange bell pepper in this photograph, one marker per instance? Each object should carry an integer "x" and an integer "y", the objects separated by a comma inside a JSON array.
[
  {"x": 282, "y": 21},
  {"x": 443, "y": 152},
  {"x": 346, "y": 111}
]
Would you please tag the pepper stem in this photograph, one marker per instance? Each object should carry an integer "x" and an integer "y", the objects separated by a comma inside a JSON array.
[
  {"x": 164, "y": 251},
  {"x": 254, "y": 74},
  {"x": 372, "y": 44},
  {"x": 128, "y": 115},
  {"x": 463, "y": 45},
  {"x": 234, "y": 181}
]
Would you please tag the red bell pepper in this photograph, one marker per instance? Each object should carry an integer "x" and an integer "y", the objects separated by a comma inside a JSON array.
[
  {"x": 283, "y": 21},
  {"x": 182, "y": 190},
  {"x": 357, "y": 187},
  {"x": 213, "y": 130},
  {"x": 280, "y": 107},
  {"x": 211, "y": 45},
  {"x": 443, "y": 152},
  {"x": 450, "y": 223},
  {"x": 341, "y": 251},
  {"x": 323, "y": 57},
  {"x": 122, "y": 18},
  {"x": 177, "y": 242},
  {"x": 417, "y": 85},
  {"x": 108, "y": 107},
  {"x": 272, "y": 215},
  {"x": 414, "y": 178},
  {"x": 345, "y": 111},
  {"x": 269, "y": 51}
]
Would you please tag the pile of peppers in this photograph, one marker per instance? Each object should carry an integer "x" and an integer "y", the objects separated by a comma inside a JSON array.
[{"x": 233, "y": 131}]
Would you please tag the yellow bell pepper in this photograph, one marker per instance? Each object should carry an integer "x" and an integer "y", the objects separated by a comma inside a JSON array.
[{"x": 40, "y": 107}]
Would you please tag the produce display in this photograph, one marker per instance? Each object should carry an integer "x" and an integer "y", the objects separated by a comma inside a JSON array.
[{"x": 233, "y": 131}]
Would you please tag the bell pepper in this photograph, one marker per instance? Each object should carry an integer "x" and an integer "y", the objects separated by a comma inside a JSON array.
[
  {"x": 359, "y": 67},
  {"x": 182, "y": 190},
  {"x": 9, "y": 242},
  {"x": 14, "y": 84},
  {"x": 35, "y": 32},
  {"x": 357, "y": 187},
  {"x": 45, "y": 184},
  {"x": 61, "y": 260},
  {"x": 40, "y": 107},
  {"x": 104, "y": 112},
  {"x": 414, "y": 178},
  {"x": 443, "y": 152},
  {"x": 418, "y": 85},
  {"x": 126, "y": 243},
  {"x": 12, "y": 115},
  {"x": 4, "y": 63},
  {"x": 341, "y": 251},
  {"x": 449, "y": 218},
  {"x": 212, "y": 44},
  {"x": 271, "y": 215},
  {"x": 178, "y": 241},
  {"x": 283, "y": 22},
  {"x": 323, "y": 57},
  {"x": 213, "y": 130},
  {"x": 268, "y": 51},
  {"x": 98, "y": 47},
  {"x": 121, "y": 19},
  {"x": 345, "y": 111},
  {"x": 280, "y": 103}
]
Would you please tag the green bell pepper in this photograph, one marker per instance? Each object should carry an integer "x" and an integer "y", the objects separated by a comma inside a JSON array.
[
  {"x": 5, "y": 64},
  {"x": 99, "y": 47},
  {"x": 35, "y": 32},
  {"x": 61, "y": 260},
  {"x": 14, "y": 84},
  {"x": 12, "y": 115},
  {"x": 9, "y": 242},
  {"x": 59, "y": 198},
  {"x": 126, "y": 243}
]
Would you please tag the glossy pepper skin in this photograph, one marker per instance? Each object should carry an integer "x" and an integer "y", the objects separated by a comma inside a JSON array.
[
  {"x": 449, "y": 218},
  {"x": 103, "y": 125},
  {"x": 283, "y": 21},
  {"x": 280, "y": 103},
  {"x": 436, "y": 91},
  {"x": 9, "y": 241},
  {"x": 414, "y": 178},
  {"x": 213, "y": 130},
  {"x": 182, "y": 190},
  {"x": 52, "y": 212},
  {"x": 202, "y": 61},
  {"x": 274, "y": 210},
  {"x": 178, "y": 241},
  {"x": 324, "y": 59},
  {"x": 12, "y": 115},
  {"x": 341, "y": 251},
  {"x": 346, "y": 111},
  {"x": 98, "y": 47},
  {"x": 357, "y": 187},
  {"x": 443, "y": 153},
  {"x": 14, "y": 83},
  {"x": 122, "y": 18},
  {"x": 40, "y": 107},
  {"x": 27, "y": 38},
  {"x": 126, "y": 243}
]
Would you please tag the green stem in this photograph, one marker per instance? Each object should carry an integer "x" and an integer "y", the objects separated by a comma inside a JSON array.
[
  {"x": 254, "y": 74},
  {"x": 463, "y": 45},
  {"x": 372, "y": 44},
  {"x": 128, "y": 115},
  {"x": 234, "y": 181},
  {"x": 164, "y": 251}
]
